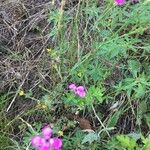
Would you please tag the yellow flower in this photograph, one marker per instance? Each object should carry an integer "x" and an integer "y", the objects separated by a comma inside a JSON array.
[
  {"x": 60, "y": 133},
  {"x": 44, "y": 106},
  {"x": 55, "y": 66},
  {"x": 49, "y": 50},
  {"x": 21, "y": 93},
  {"x": 41, "y": 106},
  {"x": 38, "y": 105},
  {"x": 79, "y": 74}
]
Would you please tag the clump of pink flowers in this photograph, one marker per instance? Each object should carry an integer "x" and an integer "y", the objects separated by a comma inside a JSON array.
[
  {"x": 78, "y": 90},
  {"x": 122, "y": 2},
  {"x": 119, "y": 2},
  {"x": 46, "y": 141}
]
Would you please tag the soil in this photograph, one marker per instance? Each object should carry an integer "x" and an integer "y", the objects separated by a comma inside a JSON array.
[{"x": 24, "y": 33}]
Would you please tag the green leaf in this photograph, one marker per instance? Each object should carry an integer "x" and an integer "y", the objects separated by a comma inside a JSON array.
[
  {"x": 140, "y": 90},
  {"x": 114, "y": 119},
  {"x": 94, "y": 93},
  {"x": 91, "y": 137},
  {"x": 148, "y": 119},
  {"x": 135, "y": 136},
  {"x": 127, "y": 142},
  {"x": 134, "y": 67},
  {"x": 146, "y": 144}
]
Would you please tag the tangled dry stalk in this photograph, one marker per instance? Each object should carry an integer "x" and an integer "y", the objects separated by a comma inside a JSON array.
[{"x": 24, "y": 35}]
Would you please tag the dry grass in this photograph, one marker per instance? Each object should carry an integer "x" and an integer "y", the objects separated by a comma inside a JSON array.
[{"x": 24, "y": 37}]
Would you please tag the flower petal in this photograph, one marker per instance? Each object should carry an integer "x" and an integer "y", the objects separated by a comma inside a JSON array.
[
  {"x": 82, "y": 94},
  {"x": 45, "y": 146},
  {"x": 119, "y": 2},
  {"x": 36, "y": 141},
  {"x": 80, "y": 88},
  {"x": 72, "y": 87},
  {"x": 47, "y": 132},
  {"x": 57, "y": 143},
  {"x": 80, "y": 91}
]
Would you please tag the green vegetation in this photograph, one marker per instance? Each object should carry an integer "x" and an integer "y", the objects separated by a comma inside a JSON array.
[{"x": 102, "y": 47}]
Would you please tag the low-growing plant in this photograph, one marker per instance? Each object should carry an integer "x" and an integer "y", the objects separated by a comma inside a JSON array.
[
  {"x": 131, "y": 141},
  {"x": 80, "y": 97}
]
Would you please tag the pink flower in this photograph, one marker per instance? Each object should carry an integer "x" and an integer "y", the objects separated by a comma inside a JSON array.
[
  {"x": 45, "y": 146},
  {"x": 56, "y": 143},
  {"x": 36, "y": 141},
  {"x": 45, "y": 141},
  {"x": 47, "y": 132},
  {"x": 72, "y": 87},
  {"x": 80, "y": 91},
  {"x": 120, "y": 2}
]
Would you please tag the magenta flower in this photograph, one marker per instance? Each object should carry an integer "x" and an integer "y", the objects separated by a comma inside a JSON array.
[
  {"x": 36, "y": 141},
  {"x": 45, "y": 146},
  {"x": 56, "y": 143},
  {"x": 47, "y": 132},
  {"x": 120, "y": 2},
  {"x": 72, "y": 87},
  {"x": 45, "y": 141},
  {"x": 80, "y": 91}
]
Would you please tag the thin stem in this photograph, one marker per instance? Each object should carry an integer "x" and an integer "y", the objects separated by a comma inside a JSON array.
[
  {"x": 19, "y": 88},
  {"x": 100, "y": 120},
  {"x": 29, "y": 126}
]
